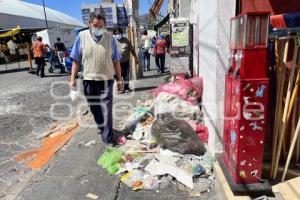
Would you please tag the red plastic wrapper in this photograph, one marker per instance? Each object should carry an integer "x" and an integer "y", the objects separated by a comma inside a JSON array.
[
  {"x": 189, "y": 90},
  {"x": 200, "y": 129}
]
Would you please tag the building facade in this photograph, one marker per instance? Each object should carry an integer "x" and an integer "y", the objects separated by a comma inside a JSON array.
[
  {"x": 209, "y": 32},
  {"x": 115, "y": 14},
  {"x": 210, "y": 21}
]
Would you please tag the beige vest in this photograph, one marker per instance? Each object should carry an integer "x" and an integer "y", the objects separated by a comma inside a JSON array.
[{"x": 96, "y": 57}]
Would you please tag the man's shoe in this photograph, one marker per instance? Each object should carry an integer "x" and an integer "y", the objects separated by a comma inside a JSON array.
[
  {"x": 119, "y": 141},
  {"x": 99, "y": 132}
]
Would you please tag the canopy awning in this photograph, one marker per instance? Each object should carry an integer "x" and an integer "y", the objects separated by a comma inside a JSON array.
[
  {"x": 162, "y": 22},
  {"x": 10, "y": 33},
  {"x": 24, "y": 14},
  {"x": 32, "y": 30}
]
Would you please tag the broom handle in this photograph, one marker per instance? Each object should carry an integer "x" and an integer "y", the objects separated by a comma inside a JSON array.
[
  {"x": 292, "y": 107},
  {"x": 285, "y": 62},
  {"x": 281, "y": 70},
  {"x": 284, "y": 118},
  {"x": 294, "y": 95},
  {"x": 291, "y": 150},
  {"x": 295, "y": 115},
  {"x": 298, "y": 150}
]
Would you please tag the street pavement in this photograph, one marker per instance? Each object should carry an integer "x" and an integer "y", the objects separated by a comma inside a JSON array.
[{"x": 25, "y": 107}]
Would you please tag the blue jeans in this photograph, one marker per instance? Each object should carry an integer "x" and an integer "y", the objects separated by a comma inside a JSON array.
[
  {"x": 125, "y": 74},
  {"x": 160, "y": 60},
  {"x": 145, "y": 56},
  {"x": 40, "y": 62},
  {"x": 99, "y": 95}
]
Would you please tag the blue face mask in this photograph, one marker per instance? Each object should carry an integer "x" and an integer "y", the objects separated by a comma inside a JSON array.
[
  {"x": 119, "y": 36},
  {"x": 97, "y": 31}
]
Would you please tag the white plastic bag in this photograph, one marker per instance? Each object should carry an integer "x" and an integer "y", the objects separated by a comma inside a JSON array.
[
  {"x": 147, "y": 45},
  {"x": 170, "y": 103},
  {"x": 74, "y": 95}
]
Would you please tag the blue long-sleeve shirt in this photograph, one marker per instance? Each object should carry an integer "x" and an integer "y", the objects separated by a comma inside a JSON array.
[{"x": 76, "y": 50}]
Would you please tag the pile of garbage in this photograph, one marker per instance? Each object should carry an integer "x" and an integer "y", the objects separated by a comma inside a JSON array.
[
  {"x": 166, "y": 144},
  {"x": 189, "y": 90},
  {"x": 156, "y": 168}
]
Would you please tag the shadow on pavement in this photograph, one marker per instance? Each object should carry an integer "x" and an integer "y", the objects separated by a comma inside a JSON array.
[
  {"x": 144, "y": 88},
  {"x": 151, "y": 76},
  {"x": 55, "y": 75},
  {"x": 156, "y": 75},
  {"x": 13, "y": 70}
]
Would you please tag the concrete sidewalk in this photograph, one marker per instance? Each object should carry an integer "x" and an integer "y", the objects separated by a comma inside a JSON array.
[{"x": 74, "y": 172}]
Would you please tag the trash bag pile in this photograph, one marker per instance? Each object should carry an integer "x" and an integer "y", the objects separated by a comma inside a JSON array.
[
  {"x": 166, "y": 145},
  {"x": 189, "y": 90}
]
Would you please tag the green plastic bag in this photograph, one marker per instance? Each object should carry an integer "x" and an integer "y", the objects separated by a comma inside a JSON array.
[
  {"x": 141, "y": 110},
  {"x": 110, "y": 160}
]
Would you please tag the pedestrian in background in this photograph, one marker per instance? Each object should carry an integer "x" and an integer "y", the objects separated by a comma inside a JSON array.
[
  {"x": 144, "y": 51},
  {"x": 160, "y": 48},
  {"x": 39, "y": 49},
  {"x": 152, "y": 50},
  {"x": 60, "y": 49},
  {"x": 97, "y": 50},
  {"x": 153, "y": 41},
  {"x": 12, "y": 47},
  {"x": 168, "y": 40},
  {"x": 125, "y": 48}
]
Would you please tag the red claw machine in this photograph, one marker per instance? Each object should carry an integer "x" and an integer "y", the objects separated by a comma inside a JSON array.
[{"x": 246, "y": 102}]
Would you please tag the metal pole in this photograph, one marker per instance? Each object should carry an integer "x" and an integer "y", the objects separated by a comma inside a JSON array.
[
  {"x": 12, "y": 33},
  {"x": 191, "y": 56},
  {"x": 46, "y": 21}
]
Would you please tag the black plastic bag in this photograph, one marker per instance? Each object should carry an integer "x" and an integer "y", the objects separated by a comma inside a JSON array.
[{"x": 176, "y": 135}]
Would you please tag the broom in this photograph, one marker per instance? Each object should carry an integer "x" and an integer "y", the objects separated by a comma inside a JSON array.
[
  {"x": 285, "y": 113},
  {"x": 281, "y": 71},
  {"x": 291, "y": 150}
]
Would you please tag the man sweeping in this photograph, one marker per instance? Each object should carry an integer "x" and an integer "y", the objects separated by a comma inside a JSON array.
[{"x": 97, "y": 50}]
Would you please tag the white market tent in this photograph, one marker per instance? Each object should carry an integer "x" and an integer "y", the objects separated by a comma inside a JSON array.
[{"x": 16, "y": 12}]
